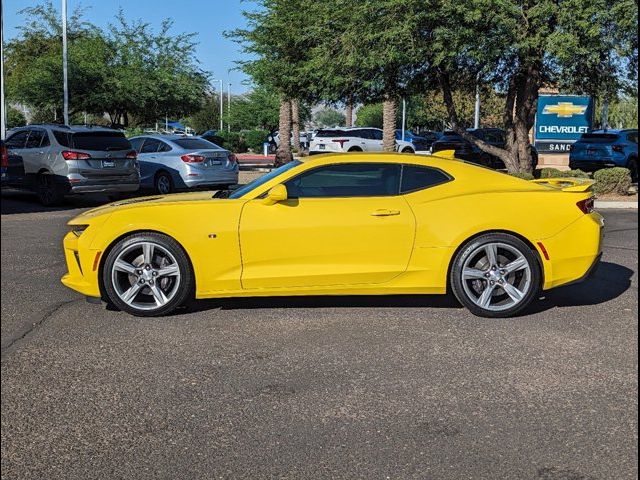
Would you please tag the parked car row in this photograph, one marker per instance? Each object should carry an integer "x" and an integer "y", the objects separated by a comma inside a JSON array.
[{"x": 57, "y": 160}]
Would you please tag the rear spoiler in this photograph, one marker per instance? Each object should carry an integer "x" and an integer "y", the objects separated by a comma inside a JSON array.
[{"x": 567, "y": 184}]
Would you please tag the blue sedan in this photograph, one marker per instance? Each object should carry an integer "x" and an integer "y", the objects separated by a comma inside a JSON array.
[
  {"x": 604, "y": 149},
  {"x": 174, "y": 162}
]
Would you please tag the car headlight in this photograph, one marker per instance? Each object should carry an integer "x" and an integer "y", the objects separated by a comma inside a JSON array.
[{"x": 78, "y": 229}]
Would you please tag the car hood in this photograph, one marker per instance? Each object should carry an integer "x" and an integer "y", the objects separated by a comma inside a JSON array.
[{"x": 155, "y": 200}]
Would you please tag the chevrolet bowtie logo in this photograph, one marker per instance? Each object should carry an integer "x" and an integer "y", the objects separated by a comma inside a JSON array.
[{"x": 564, "y": 109}]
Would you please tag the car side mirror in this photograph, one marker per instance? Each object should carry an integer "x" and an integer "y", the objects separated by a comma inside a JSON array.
[{"x": 276, "y": 194}]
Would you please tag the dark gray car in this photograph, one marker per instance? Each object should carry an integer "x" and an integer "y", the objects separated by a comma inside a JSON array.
[{"x": 60, "y": 160}]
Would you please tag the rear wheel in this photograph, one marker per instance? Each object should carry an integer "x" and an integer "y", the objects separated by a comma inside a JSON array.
[
  {"x": 355, "y": 149},
  {"x": 163, "y": 183},
  {"x": 495, "y": 275},
  {"x": 407, "y": 150},
  {"x": 49, "y": 193},
  {"x": 147, "y": 274}
]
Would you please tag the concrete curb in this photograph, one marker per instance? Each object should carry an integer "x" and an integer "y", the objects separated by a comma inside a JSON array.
[{"x": 625, "y": 205}]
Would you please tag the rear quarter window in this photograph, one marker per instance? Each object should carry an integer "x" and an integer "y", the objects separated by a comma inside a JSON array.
[{"x": 415, "y": 177}]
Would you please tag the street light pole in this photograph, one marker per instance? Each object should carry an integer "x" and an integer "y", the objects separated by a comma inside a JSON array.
[
  {"x": 65, "y": 78},
  {"x": 404, "y": 117},
  {"x": 476, "y": 117},
  {"x": 228, "y": 107},
  {"x": 3, "y": 114},
  {"x": 221, "y": 98}
]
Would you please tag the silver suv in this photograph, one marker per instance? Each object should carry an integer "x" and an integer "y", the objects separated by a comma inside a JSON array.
[{"x": 60, "y": 160}]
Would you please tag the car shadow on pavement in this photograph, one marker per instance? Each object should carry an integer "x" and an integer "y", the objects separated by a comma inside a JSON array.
[
  {"x": 14, "y": 201},
  {"x": 609, "y": 282}
]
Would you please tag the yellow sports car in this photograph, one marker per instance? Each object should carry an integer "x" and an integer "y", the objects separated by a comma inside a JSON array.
[{"x": 348, "y": 224}]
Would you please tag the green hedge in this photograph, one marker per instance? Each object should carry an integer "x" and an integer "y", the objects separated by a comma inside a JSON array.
[
  {"x": 523, "y": 175},
  {"x": 555, "y": 173},
  {"x": 612, "y": 180},
  {"x": 254, "y": 139}
]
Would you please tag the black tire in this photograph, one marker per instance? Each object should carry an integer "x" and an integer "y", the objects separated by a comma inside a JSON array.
[
  {"x": 529, "y": 278},
  {"x": 407, "y": 150},
  {"x": 49, "y": 193},
  {"x": 163, "y": 183},
  {"x": 354, "y": 149},
  {"x": 632, "y": 165},
  {"x": 179, "y": 288}
]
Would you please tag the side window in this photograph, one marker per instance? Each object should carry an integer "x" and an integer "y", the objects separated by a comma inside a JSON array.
[
  {"x": 18, "y": 139},
  {"x": 415, "y": 177},
  {"x": 35, "y": 138},
  {"x": 63, "y": 138},
  {"x": 164, "y": 147},
  {"x": 136, "y": 143},
  {"x": 633, "y": 137},
  {"x": 347, "y": 180},
  {"x": 375, "y": 134},
  {"x": 45, "y": 139},
  {"x": 492, "y": 137},
  {"x": 150, "y": 145}
]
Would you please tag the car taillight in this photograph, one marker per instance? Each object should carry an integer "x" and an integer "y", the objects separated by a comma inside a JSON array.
[
  {"x": 5, "y": 156},
  {"x": 586, "y": 206},
  {"x": 341, "y": 141},
  {"x": 70, "y": 155},
  {"x": 232, "y": 159},
  {"x": 132, "y": 155},
  {"x": 192, "y": 158},
  {"x": 618, "y": 148}
]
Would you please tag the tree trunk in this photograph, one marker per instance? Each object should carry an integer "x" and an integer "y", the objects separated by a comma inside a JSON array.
[
  {"x": 348, "y": 113},
  {"x": 283, "y": 154},
  {"x": 295, "y": 124},
  {"x": 389, "y": 110}
]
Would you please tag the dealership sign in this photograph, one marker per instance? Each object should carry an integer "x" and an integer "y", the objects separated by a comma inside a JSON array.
[{"x": 560, "y": 120}]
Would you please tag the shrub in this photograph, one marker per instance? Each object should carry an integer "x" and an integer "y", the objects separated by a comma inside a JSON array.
[
  {"x": 555, "y": 173},
  {"x": 612, "y": 180},
  {"x": 254, "y": 139},
  {"x": 523, "y": 175},
  {"x": 232, "y": 141}
]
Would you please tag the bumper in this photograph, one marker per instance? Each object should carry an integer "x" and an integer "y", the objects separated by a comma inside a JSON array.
[
  {"x": 203, "y": 181},
  {"x": 102, "y": 188},
  {"x": 82, "y": 267},
  {"x": 574, "y": 252},
  {"x": 592, "y": 165}
]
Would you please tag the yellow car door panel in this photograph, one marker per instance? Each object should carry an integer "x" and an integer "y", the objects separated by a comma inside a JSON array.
[{"x": 325, "y": 241}]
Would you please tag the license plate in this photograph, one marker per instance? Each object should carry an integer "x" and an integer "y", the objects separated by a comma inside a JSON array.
[
  {"x": 321, "y": 146},
  {"x": 108, "y": 164},
  {"x": 209, "y": 163}
]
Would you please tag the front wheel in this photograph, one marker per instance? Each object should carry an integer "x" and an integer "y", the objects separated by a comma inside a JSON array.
[
  {"x": 164, "y": 183},
  {"x": 407, "y": 150},
  {"x": 147, "y": 274},
  {"x": 495, "y": 275}
]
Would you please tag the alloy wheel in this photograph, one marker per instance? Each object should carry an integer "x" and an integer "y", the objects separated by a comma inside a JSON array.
[
  {"x": 146, "y": 276},
  {"x": 496, "y": 276}
]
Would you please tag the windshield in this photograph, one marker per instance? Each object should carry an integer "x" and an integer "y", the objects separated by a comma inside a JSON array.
[
  {"x": 264, "y": 179},
  {"x": 195, "y": 144}
]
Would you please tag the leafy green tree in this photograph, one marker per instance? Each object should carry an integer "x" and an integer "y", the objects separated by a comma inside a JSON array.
[
  {"x": 15, "y": 118},
  {"x": 577, "y": 45},
  {"x": 329, "y": 117},
  {"x": 130, "y": 71},
  {"x": 370, "y": 116},
  {"x": 208, "y": 116}
]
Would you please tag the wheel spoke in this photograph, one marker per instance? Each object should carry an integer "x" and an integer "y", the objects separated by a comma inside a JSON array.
[
  {"x": 491, "y": 250},
  {"x": 517, "y": 264},
  {"x": 158, "y": 295},
  {"x": 147, "y": 252},
  {"x": 515, "y": 294},
  {"x": 484, "y": 300},
  {"x": 169, "y": 271},
  {"x": 123, "y": 266},
  {"x": 130, "y": 294},
  {"x": 472, "y": 273}
]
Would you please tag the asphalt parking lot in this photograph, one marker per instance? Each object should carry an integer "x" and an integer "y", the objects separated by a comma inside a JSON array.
[{"x": 354, "y": 387}]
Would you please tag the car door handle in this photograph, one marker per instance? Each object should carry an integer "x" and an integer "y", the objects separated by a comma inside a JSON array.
[{"x": 383, "y": 212}]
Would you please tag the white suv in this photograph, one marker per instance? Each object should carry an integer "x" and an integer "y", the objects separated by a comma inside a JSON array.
[{"x": 355, "y": 139}]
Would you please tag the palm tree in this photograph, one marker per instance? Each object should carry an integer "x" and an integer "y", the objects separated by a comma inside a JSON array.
[
  {"x": 389, "y": 110},
  {"x": 283, "y": 154}
]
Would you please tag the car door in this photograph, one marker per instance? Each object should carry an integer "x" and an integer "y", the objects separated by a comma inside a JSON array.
[
  {"x": 16, "y": 143},
  {"x": 373, "y": 139},
  {"x": 343, "y": 224},
  {"x": 148, "y": 160},
  {"x": 36, "y": 152}
]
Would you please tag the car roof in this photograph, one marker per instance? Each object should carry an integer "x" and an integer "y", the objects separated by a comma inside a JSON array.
[
  {"x": 614, "y": 130},
  {"x": 160, "y": 136}
]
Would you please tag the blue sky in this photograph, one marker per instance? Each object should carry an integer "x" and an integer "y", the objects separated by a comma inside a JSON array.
[{"x": 208, "y": 18}]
